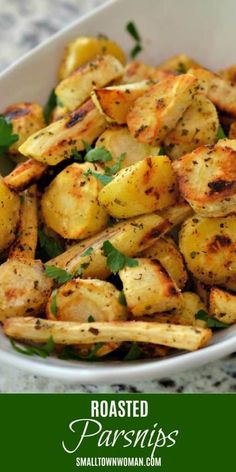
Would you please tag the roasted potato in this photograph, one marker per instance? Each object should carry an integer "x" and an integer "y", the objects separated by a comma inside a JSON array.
[
  {"x": 129, "y": 237},
  {"x": 220, "y": 91},
  {"x": 76, "y": 88},
  {"x": 9, "y": 215},
  {"x": 69, "y": 332},
  {"x": 157, "y": 112},
  {"x": 25, "y": 174},
  {"x": 70, "y": 204},
  {"x": 167, "y": 253},
  {"x": 149, "y": 289},
  {"x": 209, "y": 247},
  {"x": 146, "y": 186},
  {"x": 83, "y": 49},
  {"x": 55, "y": 143},
  {"x": 59, "y": 112},
  {"x": 207, "y": 179},
  {"x": 115, "y": 101},
  {"x": 136, "y": 71},
  {"x": 80, "y": 299},
  {"x": 118, "y": 140},
  {"x": 186, "y": 315},
  {"x": 223, "y": 305},
  {"x": 180, "y": 63},
  {"x": 26, "y": 119},
  {"x": 198, "y": 125}
]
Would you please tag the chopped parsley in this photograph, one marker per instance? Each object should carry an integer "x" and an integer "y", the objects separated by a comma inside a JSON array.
[
  {"x": 87, "y": 252},
  {"x": 133, "y": 31},
  {"x": 161, "y": 151},
  {"x": 117, "y": 166},
  {"x": 91, "y": 319},
  {"x": 220, "y": 133},
  {"x": 53, "y": 306},
  {"x": 100, "y": 154},
  {"x": 76, "y": 155},
  {"x": 115, "y": 259},
  {"x": 42, "y": 351},
  {"x": 50, "y": 245},
  {"x": 105, "y": 179},
  {"x": 49, "y": 107},
  {"x": 211, "y": 322},
  {"x": 7, "y": 138},
  {"x": 134, "y": 353},
  {"x": 122, "y": 299},
  {"x": 60, "y": 276},
  {"x": 181, "y": 69}
]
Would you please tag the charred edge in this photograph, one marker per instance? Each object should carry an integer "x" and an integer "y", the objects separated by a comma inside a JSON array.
[
  {"x": 156, "y": 231},
  {"x": 76, "y": 117},
  {"x": 220, "y": 185},
  {"x": 17, "y": 113},
  {"x": 218, "y": 242},
  {"x": 94, "y": 331}
]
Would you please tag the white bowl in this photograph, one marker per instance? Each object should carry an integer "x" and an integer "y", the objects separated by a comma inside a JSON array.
[{"x": 203, "y": 29}]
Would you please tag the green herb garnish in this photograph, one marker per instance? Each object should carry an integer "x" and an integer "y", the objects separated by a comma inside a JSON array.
[
  {"x": 161, "y": 151},
  {"x": 68, "y": 352},
  {"x": 115, "y": 259},
  {"x": 42, "y": 351},
  {"x": 100, "y": 154},
  {"x": 91, "y": 319},
  {"x": 117, "y": 166},
  {"x": 134, "y": 353},
  {"x": 50, "y": 245},
  {"x": 87, "y": 252},
  {"x": 181, "y": 69},
  {"x": 76, "y": 155},
  {"x": 122, "y": 299},
  {"x": 49, "y": 107},
  {"x": 7, "y": 138},
  {"x": 53, "y": 306},
  {"x": 211, "y": 322},
  {"x": 133, "y": 31},
  {"x": 60, "y": 276},
  {"x": 105, "y": 179},
  {"x": 220, "y": 133}
]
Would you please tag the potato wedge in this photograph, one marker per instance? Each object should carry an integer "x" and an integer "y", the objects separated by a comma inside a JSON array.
[
  {"x": 198, "y": 125},
  {"x": 167, "y": 253},
  {"x": 129, "y": 237},
  {"x": 26, "y": 119},
  {"x": 207, "y": 179},
  {"x": 83, "y": 49},
  {"x": 70, "y": 204},
  {"x": 69, "y": 332},
  {"x": 59, "y": 112},
  {"x": 115, "y": 102},
  {"x": 80, "y": 299},
  {"x": 180, "y": 63},
  {"x": 223, "y": 305},
  {"x": 9, "y": 215},
  {"x": 209, "y": 247},
  {"x": 77, "y": 87},
  {"x": 144, "y": 187},
  {"x": 157, "y": 112},
  {"x": 118, "y": 140},
  {"x": 54, "y": 143},
  {"x": 24, "y": 175},
  {"x": 220, "y": 91},
  {"x": 186, "y": 314},
  {"x": 149, "y": 289}
]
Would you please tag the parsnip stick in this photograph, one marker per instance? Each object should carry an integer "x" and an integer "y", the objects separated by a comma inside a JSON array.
[
  {"x": 26, "y": 242},
  {"x": 129, "y": 237},
  {"x": 67, "y": 332},
  {"x": 25, "y": 174}
]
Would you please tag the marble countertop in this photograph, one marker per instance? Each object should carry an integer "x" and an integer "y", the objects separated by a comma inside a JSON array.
[{"x": 24, "y": 24}]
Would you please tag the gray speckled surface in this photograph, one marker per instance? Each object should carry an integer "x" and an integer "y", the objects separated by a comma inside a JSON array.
[{"x": 23, "y": 24}]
